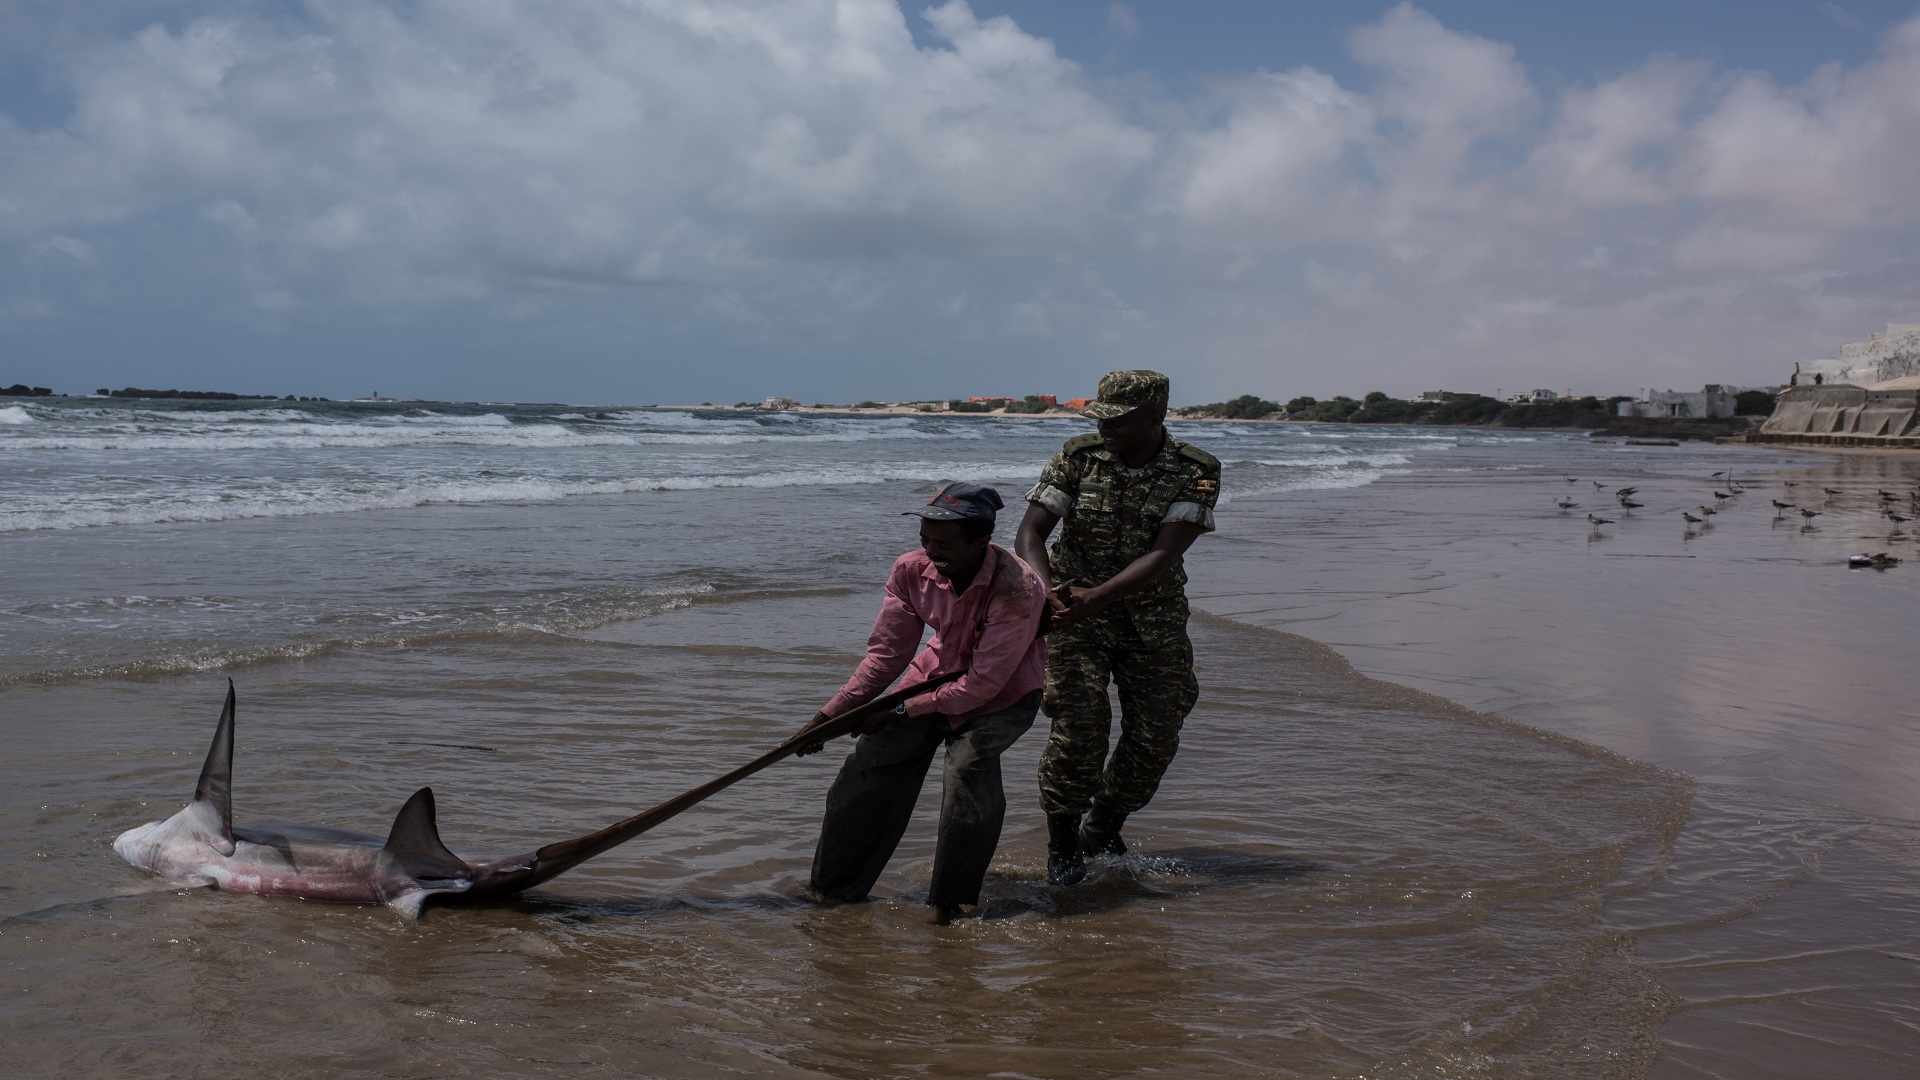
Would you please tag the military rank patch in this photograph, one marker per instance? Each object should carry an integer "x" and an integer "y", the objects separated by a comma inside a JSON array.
[{"x": 1208, "y": 486}]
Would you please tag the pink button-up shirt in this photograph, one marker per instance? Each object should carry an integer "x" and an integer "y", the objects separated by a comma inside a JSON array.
[{"x": 990, "y": 631}]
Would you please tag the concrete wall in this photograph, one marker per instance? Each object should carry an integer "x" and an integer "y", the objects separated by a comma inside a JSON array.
[{"x": 1844, "y": 416}]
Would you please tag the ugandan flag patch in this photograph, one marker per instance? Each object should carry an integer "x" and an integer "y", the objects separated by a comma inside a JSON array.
[{"x": 1209, "y": 487}]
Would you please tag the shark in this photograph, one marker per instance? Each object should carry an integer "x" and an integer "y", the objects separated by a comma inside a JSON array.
[{"x": 201, "y": 845}]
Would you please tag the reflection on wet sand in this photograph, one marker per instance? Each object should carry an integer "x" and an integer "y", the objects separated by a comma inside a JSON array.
[{"x": 1742, "y": 652}]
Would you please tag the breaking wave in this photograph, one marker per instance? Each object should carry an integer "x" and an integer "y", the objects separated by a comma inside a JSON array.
[
  {"x": 28, "y": 511},
  {"x": 100, "y": 428},
  {"x": 1305, "y": 472}
]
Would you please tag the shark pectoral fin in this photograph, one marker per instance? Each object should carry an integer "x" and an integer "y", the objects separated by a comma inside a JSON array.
[
  {"x": 212, "y": 803},
  {"x": 409, "y": 903},
  {"x": 415, "y": 842}
]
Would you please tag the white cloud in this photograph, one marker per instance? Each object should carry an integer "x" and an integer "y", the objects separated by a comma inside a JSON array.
[{"x": 800, "y": 177}]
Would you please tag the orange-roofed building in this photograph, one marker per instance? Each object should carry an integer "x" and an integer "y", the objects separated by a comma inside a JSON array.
[{"x": 1076, "y": 404}]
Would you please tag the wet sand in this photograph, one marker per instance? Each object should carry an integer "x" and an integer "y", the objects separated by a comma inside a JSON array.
[
  {"x": 1346, "y": 878},
  {"x": 1742, "y": 653}
]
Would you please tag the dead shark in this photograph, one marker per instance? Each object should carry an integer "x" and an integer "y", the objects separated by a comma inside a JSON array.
[{"x": 201, "y": 846}]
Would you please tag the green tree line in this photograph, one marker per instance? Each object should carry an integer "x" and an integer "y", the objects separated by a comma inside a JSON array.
[{"x": 1477, "y": 410}]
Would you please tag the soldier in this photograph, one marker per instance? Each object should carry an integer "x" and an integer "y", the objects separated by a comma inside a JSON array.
[{"x": 1134, "y": 498}]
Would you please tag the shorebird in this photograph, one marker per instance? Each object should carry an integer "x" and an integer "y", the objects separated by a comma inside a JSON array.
[
  {"x": 1831, "y": 491},
  {"x": 1721, "y": 495},
  {"x": 1780, "y": 506},
  {"x": 1573, "y": 479},
  {"x": 1708, "y": 510},
  {"x": 1885, "y": 496},
  {"x": 1896, "y": 518},
  {"x": 1624, "y": 492},
  {"x": 1630, "y": 504},
  {"x": 1598, "y": 520},
  {"x": 1566, "y": 504},
  {"x": 1719, "y": 474},
  {"x": 1878, "y": 561},
  {"x": 1788, "y": 484},
  {"x": 1809, "y": 514},
  {"x": 1691, "y": 520},
  {"x": 1597, "y": 485}
]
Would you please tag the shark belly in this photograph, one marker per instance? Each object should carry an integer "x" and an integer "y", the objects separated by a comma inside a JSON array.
[{"x": 307, "y": 861}]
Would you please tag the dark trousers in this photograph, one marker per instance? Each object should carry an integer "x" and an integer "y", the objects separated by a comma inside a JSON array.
[
  {"x": 872, "y": 798},
  {"x": 1157, "y": 691}
]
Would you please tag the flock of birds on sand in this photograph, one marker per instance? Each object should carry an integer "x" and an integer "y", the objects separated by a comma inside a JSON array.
[{"x": 1734, "y": 489}]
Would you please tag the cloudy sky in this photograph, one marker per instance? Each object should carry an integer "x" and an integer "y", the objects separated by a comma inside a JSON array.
[{"x": 709, "y": 200}]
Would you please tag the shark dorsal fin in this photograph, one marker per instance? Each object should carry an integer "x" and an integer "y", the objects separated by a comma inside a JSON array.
[
  {"x": 213, "y": 796},
  {"x": 415, "y": 841}
]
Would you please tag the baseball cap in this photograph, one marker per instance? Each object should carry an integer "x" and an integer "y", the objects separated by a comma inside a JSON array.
[
  {"x": 1121, "y": 392},
  {"x": 960, "y": 502}
]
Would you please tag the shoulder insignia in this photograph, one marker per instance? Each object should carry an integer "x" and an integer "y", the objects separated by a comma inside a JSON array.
[
  {"x": 1207, "y": 486},
  {"x": 1188, "y": 450},
  {"x": 1081, "y": 442}
]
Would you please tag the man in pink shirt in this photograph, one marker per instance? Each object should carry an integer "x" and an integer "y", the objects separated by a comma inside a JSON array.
[{"x": 985, "y": 607}]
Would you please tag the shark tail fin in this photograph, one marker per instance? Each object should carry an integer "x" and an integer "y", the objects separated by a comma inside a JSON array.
[
  {"x": 212, "y": 801},
  {"x": 415, "y": 841}
]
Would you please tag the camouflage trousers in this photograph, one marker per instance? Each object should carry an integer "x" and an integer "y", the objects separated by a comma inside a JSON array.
[{"x": 1157, "y": 691}]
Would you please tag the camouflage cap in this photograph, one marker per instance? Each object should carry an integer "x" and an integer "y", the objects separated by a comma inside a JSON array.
[{"x": 1121, "y": 392}]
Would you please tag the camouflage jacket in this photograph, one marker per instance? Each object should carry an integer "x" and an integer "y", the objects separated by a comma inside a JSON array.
[{"x": 1110, "y": 513}]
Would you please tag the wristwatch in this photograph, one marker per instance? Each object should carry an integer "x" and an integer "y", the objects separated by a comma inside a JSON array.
[{"x": 900, "y": 708}]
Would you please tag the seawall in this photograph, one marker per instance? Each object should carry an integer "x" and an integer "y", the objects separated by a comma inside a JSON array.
[{"x": 1844, "y": 416}]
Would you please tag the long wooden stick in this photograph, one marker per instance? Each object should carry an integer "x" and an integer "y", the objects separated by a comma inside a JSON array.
[{"x": 558, "y": 857}]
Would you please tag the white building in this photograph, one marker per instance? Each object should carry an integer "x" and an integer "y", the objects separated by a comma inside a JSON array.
[
  {"x": 1534, "y": 397},
  {"x": 1880, "y": 359},
  {"x": 1713, "y": 402}
]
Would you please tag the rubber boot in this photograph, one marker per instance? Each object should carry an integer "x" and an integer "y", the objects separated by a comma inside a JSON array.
[
  {"x": 1101, "y": 833},
  {"x": 1064, "y": 864}
]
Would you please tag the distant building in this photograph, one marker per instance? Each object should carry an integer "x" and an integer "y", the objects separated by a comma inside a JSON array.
[
  {"x": 1534, "y": 397},
  {"x": 1432, "y": 395},
  {"x": 983, "y": 400},
  {"x": 1076, "y": 404},
  {"x": 1052, "y": 401},
  {"x": 780, "y": 404},
  {"x": 1713, "y": 402}
]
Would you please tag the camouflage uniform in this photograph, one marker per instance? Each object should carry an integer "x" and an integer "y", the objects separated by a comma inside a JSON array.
[{"x": 1110, "y": 514}]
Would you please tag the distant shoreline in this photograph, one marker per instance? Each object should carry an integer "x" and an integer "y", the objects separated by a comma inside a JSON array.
[{"x": 1066, "y": 414}]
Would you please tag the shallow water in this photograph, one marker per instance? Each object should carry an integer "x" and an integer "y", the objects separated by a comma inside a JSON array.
[
  {"x": 1692, "y": 856},
  {"x": 1409, "y": 886}
]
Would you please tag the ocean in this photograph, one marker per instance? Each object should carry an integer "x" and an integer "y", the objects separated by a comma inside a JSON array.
[{"x": 1474, "y": 788}]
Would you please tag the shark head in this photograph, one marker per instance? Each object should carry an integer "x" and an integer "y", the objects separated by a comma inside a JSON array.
[{"x": 204, "y": 828}]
